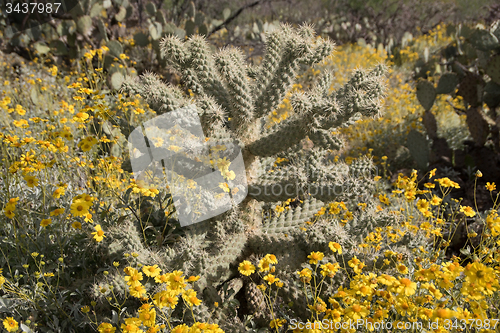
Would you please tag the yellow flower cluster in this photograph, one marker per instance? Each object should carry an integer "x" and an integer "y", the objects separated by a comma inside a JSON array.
[
  {"x": 81, "y": 204},
  {"x": 87, "y": 143},
  {"x": 423, "y": 291},
  {"x": 172, "y": 287},
  {"x": 140, "y": 188},
  {"x": 336, "y": 208},
  {"x": 10, "y": 207},
  {"x": 376, "y": 298},
  {"x": 493, "y": 223}
]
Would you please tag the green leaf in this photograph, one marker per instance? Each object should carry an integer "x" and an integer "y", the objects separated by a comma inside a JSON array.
[
  {"x": 5, "y": 304},
  {"x": 465, "y": 251},
  {"x": 106, "y": 127}
]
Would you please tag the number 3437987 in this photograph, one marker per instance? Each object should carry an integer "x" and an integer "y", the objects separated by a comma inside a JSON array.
[
  {"x": 32, "y": 7},
  {"x": 471, "y": 323}
]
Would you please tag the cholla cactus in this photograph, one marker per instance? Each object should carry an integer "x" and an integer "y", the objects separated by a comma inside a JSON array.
[{"x": 233, "y": 98}]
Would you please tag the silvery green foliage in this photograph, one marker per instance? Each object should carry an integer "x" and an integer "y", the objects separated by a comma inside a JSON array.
[{"x": 232, "y": 99}]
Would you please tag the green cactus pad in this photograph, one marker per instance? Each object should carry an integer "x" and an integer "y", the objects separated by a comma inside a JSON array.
[
  {"x": 492, "y": 94},
  {"x": 167, "y": 27},
  {"x": 41, "y": 48},
  {"x": 493, "y": 69},
  {"x": 151, "y": 9},
  {"x": 190, "y": 28},
  {"x": 203, "y": 29},
  {"x": 122, "y": 13},
  {"x": 279, "y": 185},
  {"x": 468, "y": 88},
  {"x": 426, "y": 94},
  {"x": 96, "y": 10},
  {"x": 102, "y": 30},
  {"x": 199, "y": 19},
  {"x": 58, "y": 48},
  {"x": 447, "y": 83},
  {"x": 84, "y": 25},
  {"x": 483, "y": 40},
  {"x": 419, "y": 148},
  {"x": 191, "y": 10},
  {"x": 116, "y": 80},
  {"x": 155, "y": 30},
  {"x": 115, "y": 48},
  {"x": 430, "y": 124},
  {"x": 495, "y": 29},
  {"x": 478, "y": 125},
  {"x": 141, "y": 39},
  {"x": 362, "y": 167},
  {"x": 34, "y": 95}
]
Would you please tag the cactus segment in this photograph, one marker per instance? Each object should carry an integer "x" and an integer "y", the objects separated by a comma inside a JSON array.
[{"x": 426, "y": 94}]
